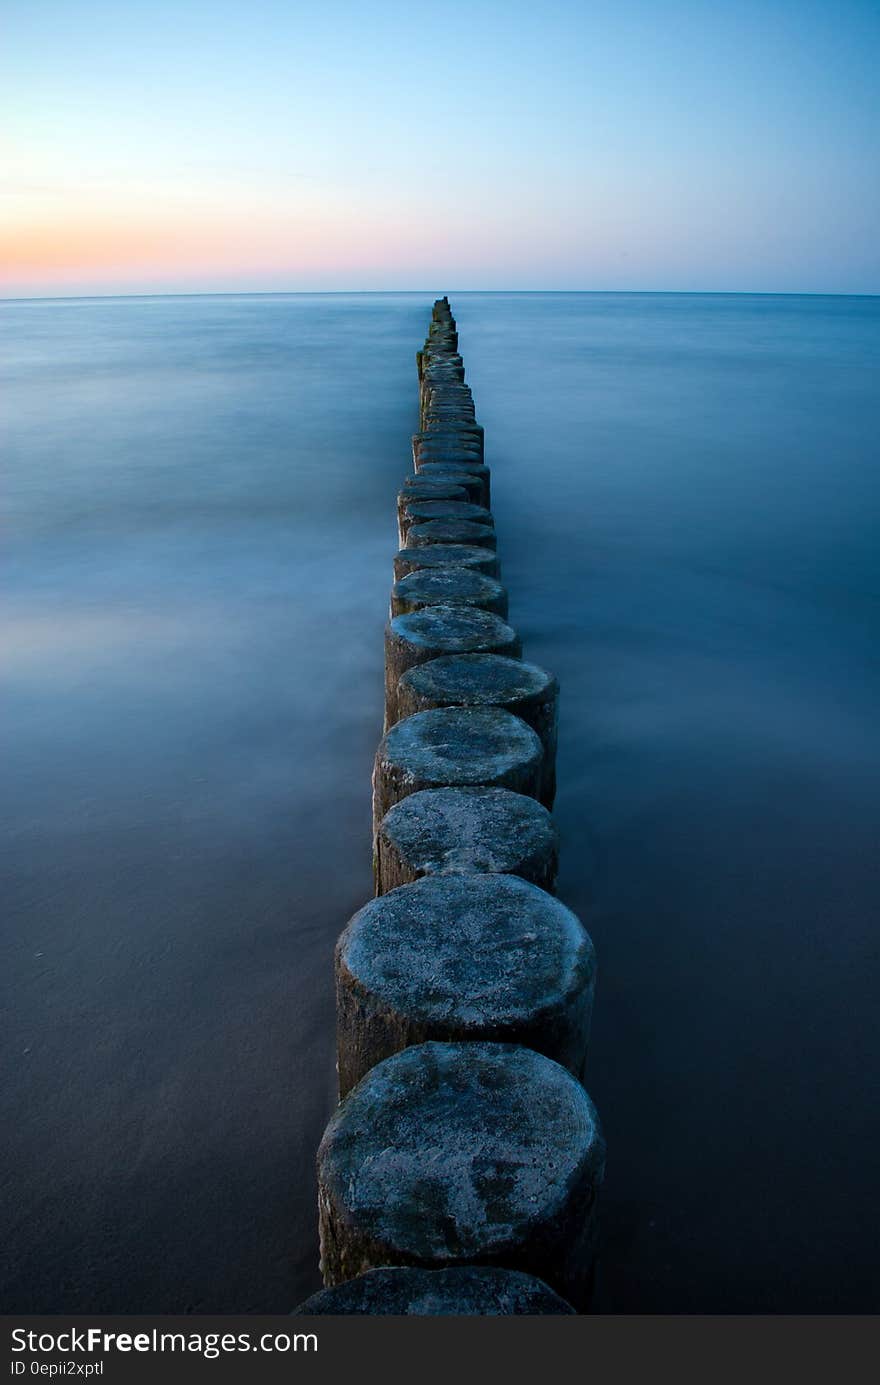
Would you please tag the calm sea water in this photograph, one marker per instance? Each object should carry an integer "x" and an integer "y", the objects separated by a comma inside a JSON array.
[{"x": 199, "y": 526}]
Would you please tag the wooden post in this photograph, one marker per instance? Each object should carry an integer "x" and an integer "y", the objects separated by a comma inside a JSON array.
[
  {"x": 444, "y": 478},
  {"x": 448, "y": 586},
  {"x": 431, "y": 469},
  {"x": 463, "y": 957},
  {"x": 421, "y": 510},
  {"x": 487, "y": 680},
  {"x": 450, "y": 1154},
  {"x": 441, "y": 489},
  {"x": 455, "y": 746},
  {"x": 451, "y": 531},
  {"x": 444, "y": 555},
  {"x": 413, "y": 639},
  {"x": 447, "y": 831}
]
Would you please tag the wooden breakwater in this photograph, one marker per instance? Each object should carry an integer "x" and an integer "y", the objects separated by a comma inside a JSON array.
[{"x": 461, "y": 1170}]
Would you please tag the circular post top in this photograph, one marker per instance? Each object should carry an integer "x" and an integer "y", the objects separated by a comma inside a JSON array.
[
  {"x": 420, "y": 510},
  {"x": 451, "y": 1151},
  {"x": 444, "y": 831},
  {"x": 453, "y": 628},
  {"x": 458, "y": 585},
  {"x": 439, "y": 466},
  {"x": 474, "y": 680},
  {"x": 440, "y": 476},
  {"x": 431, "y": 490},
  {"x": 480, "y": 952},
  {"x": 461, "y": 745},
  {"x": 450, "y": 531},
  {"x": 442, "y": 554}
]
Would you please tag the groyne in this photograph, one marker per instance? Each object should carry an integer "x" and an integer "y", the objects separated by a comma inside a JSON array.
[{"x": 461, "y": 1171}]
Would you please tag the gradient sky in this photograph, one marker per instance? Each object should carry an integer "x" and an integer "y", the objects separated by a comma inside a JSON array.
[{"x": 591, "y": 144}]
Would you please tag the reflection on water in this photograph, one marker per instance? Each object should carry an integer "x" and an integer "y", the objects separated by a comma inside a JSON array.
[{"x": 200, "y": 524}]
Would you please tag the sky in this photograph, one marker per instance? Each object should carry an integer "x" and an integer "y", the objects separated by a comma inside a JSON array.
[{"x": 279, "y": 145}]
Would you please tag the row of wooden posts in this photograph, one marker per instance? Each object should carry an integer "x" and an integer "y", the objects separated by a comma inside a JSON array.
[{"x": 461, "y": 1170}]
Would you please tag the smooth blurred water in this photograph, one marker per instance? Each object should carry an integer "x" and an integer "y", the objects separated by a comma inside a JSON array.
[{"x": 199, "y": 504}]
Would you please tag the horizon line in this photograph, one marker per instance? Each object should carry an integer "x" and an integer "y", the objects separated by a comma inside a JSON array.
[{"x": 460, "y": 293}]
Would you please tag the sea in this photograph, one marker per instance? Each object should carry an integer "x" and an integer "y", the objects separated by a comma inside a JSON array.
[{"x": 198, "y": 511}]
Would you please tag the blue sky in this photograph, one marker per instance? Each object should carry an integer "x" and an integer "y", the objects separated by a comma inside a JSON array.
[{"x": 630, "y": 145}]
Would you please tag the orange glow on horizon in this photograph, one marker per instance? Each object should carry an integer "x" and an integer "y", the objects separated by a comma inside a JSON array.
[
  {"x": 113, "y": 244},
  {"x": 58, "y": 244}
]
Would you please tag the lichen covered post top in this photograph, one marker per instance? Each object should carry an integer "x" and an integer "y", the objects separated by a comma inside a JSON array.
[
  {"x": 455, "y": 585},
  {"x": 442, "y": 555},
  {"x": 451, "y": 531},
  {"x": 476, "y": 679},
  {"x": 461, "y": 745},
  {"x": 452, "y": 1151},
  {"x": 452, "y": 628},
  {"x": 462, "y": 950},
  {"x": 475, "y": 828}
]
